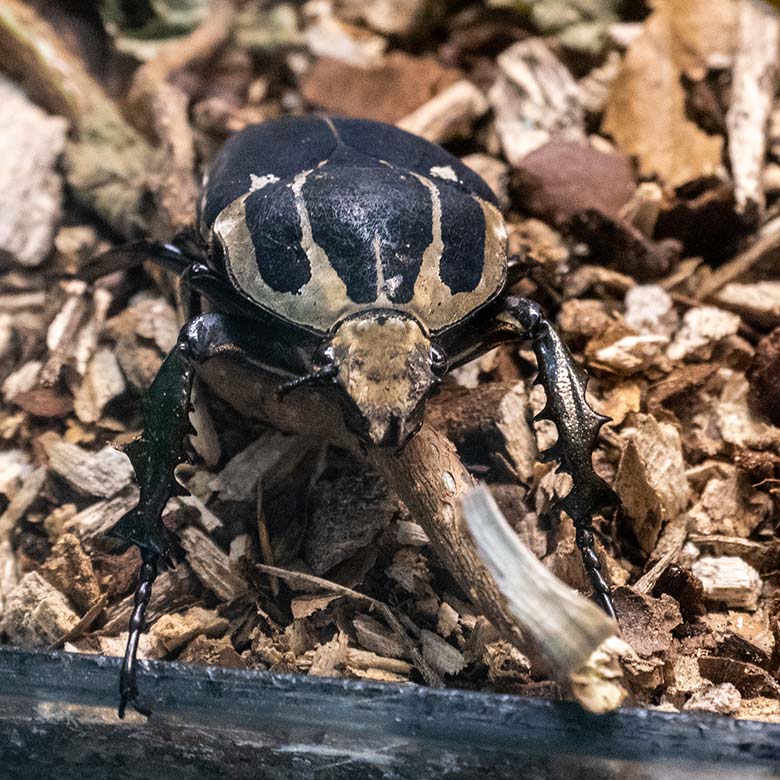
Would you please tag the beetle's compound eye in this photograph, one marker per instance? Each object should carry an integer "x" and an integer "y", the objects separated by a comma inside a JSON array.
[
  {"x": 324, "y": 356},
  {"x": 439, "y": 361}
]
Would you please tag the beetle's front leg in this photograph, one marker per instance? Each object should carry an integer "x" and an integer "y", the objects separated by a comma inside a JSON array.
[
  {"x": 578, "y": 427},
  {"x": 156, "y": 454}
]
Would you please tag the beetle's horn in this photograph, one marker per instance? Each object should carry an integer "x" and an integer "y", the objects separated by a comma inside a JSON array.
[{"x": 316, "y": 377}]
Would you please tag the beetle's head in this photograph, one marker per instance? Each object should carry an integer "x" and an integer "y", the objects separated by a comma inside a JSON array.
[{"x": 385, "y": 366}]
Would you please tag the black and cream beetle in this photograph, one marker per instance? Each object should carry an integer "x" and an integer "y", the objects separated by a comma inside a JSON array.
[{"x": 352, "y": 254}]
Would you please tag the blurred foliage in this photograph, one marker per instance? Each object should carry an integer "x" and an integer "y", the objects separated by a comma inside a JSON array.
[
  {"x": 580, "y": 24},
  {"x": 138, "y": 27}
]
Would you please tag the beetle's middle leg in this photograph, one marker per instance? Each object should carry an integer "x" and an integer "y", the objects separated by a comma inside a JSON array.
[
  {"x": 578, "y": 424},
  {"x": 156, "y": 454}
]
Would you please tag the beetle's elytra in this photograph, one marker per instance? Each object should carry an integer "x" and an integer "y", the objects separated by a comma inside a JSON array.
[{"x": 356, "y": 256}]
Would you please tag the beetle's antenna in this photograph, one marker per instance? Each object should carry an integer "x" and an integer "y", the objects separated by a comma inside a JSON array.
[{"x": 316, "y": 377}]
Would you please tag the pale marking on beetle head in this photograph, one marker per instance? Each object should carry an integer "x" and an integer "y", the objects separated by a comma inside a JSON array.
[
  {"x": 444, "y": 172},
  {"x": 384, "y": 368},
  {"x": 258, "y": 182}
]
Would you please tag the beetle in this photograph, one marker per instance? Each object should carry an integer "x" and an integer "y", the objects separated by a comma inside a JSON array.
[{"x": 353, "y": 255}]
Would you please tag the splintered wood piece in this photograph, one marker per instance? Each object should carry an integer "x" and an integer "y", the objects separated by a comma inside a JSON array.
[
  {"x": 213, "y": 652},
  {"x": 375, "y": 637},
  {"x": 409, "y": 534},
  {"x": 428, "y": 674},
  {"x": 173, "y": 590},
  {"x": 211, "y": 565},
  {"x": 108, "y": 163},
  {"x": 330, "y": 656},
  {"x": 102, "y": 383},
  {"x": 363, "y": 660},
  {"x": 92, "y": 523},
  {"x": 651, "y": 479},
  {"x": 30, "y": 186},
  {"x": 729, "y": 580},
  {"x": 579, "y": 642},
  {"x": 450, "y": 114},
  {"x": 350, "y": 511},
  {"x": 175, "y": 630},
  {"x": 702, "y": 328},
  {"x": 440, "y": 654},
  {"x": 69, "y": 569},
  {"x": 753, "y": 83},
  {"x": 534, "y": 99},
  {"x": 36, "y": 614},
  {"x": 758, "y": 302},
  {"x": 103, "y": 474}
]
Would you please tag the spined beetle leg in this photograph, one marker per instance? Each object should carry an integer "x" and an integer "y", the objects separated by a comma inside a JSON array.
[
  {"x": 160, "y": 449},
  {"x": 578, "y": 425}
]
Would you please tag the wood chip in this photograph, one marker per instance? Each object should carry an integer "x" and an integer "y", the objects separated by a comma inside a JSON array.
[
  {"x": 449, "y": 115},
  {"x": 411, "y": 534},
  {"x": 69, "y": 569},
  {"x": 729, "y": 580},
  {"x": 724, "y": 699},
  {"x": 441, "y": 655},
  {"x": 330, "y": 656},
  {"x": 561, "y": 178},
  {"x": 30, "y": 186},
  {"x": 754, "y": 80},
  {"x": 211, "y": 565},
  {"x": 702, "y": 328},
  {"x": 92, "y": 523},
  {"x": 651, "y": 479},
  {"x": 350, "y": 512},
  {"x": 729, "y": 505},
  {"x": 103, "y": 474},
  {"x": 102, "y": 383},
  {"x": 646, "y": 111},
  {"x": 36, "y": 614},
  {"x": 212, "y": 652},
  {"x": 758, "y": 301},
  {"x": 174, "y": 631},
  {"x": 375, "y": 637},
  {"x": 534, "y": 99},
  {"x": 386, "y": 91}
]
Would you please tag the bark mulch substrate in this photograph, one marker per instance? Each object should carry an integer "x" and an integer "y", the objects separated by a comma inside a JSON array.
[{"x": 637, "y": 158}]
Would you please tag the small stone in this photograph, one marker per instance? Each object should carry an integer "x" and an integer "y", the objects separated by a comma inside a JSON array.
[{"x": 562, "y": 178}]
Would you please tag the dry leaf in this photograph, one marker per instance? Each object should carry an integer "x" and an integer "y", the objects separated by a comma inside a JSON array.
[{"x": 646, "y": 108}]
